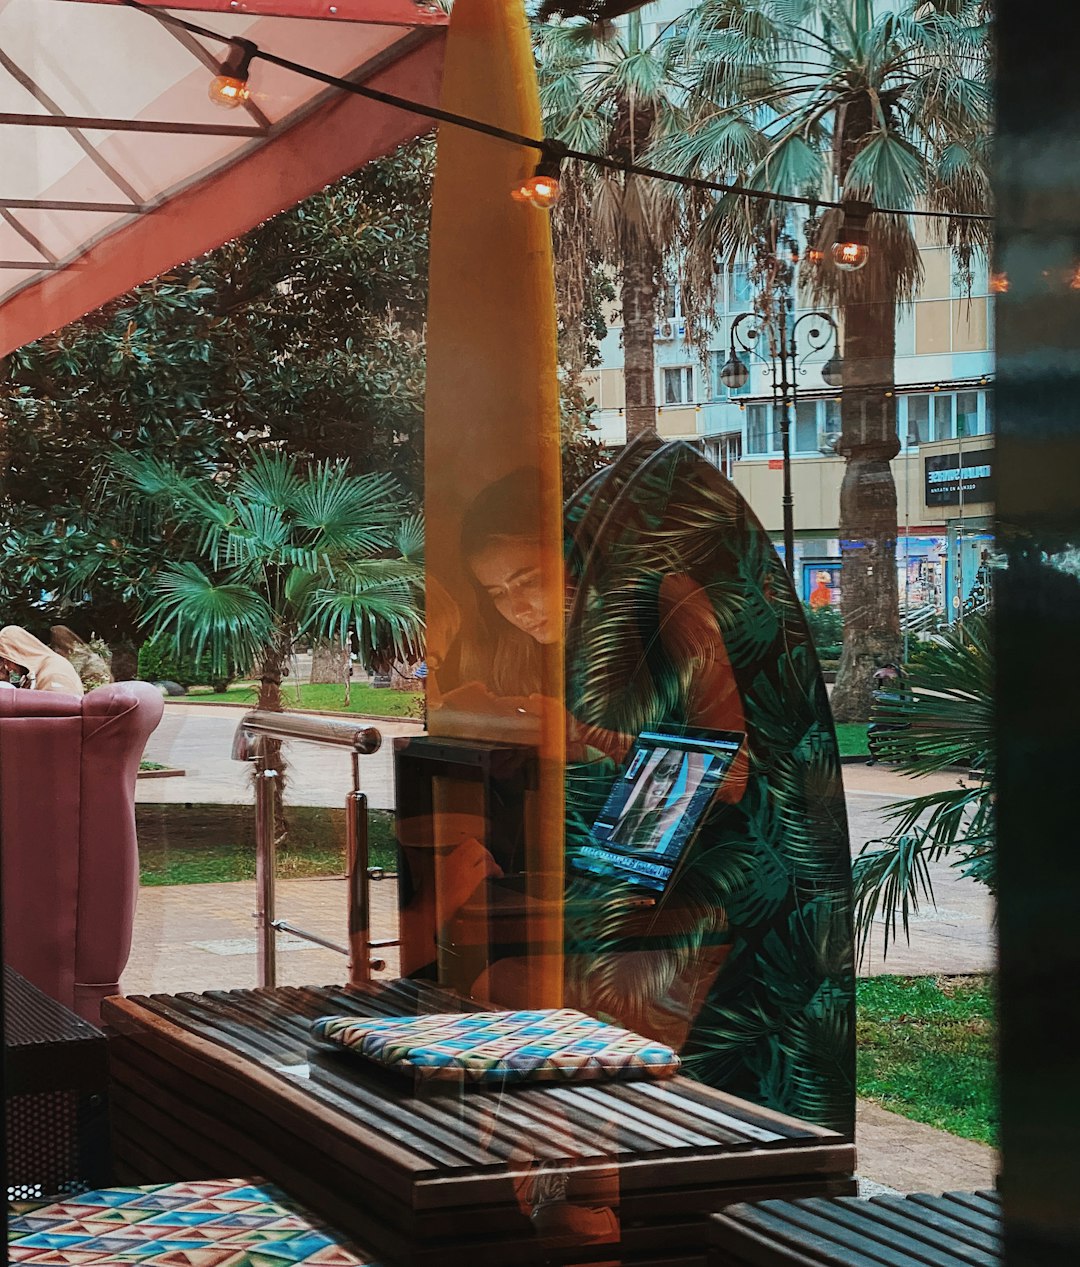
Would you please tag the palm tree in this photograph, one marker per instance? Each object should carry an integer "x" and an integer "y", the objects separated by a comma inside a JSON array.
[
  {"x": 604, "y": 89},
  {"x": 851, "y": 101},
  {"x": 282, "y": 553},
  {"x": 941, "y": 716}
]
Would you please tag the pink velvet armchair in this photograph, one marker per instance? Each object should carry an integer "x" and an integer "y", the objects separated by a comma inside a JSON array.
[{"x": 67, "y": 822}]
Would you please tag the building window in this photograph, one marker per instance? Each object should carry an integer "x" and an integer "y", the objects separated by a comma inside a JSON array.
[
  {"x": 967, "y": 413},
  {"x": 759, "y": 428},
  {"x": 679, "y": 385},
  {"x": 806, "y": 427},
  {"x": 741, "y": 289},
  {"x": 943, "y": 418},
  {"x": 918, "y": 419}
]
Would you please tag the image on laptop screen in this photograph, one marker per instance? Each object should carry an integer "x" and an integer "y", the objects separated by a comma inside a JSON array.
[{"x": 650, "y": 816}]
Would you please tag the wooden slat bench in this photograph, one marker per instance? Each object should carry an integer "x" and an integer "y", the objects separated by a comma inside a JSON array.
[
  {"x": 228, "y": 1083},
  {"x": 958, "y": 1229}
]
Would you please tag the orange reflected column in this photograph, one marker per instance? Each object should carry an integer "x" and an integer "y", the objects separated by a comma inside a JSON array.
[{"x": 493, "y": 495}]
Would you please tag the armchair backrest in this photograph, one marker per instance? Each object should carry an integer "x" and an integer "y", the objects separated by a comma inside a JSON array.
[{"x": 67, "y": 825}]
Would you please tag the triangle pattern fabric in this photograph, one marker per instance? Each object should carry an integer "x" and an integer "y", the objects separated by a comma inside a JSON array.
[{"x": 212, "y": 1223}]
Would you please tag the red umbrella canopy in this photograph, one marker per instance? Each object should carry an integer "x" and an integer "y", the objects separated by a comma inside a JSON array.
[{"x": 117, "y": 165}]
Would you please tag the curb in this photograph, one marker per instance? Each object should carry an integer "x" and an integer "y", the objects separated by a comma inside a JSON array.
[{"x": 171, "y": 773}]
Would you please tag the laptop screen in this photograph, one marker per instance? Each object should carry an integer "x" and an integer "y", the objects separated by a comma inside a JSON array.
[{"x": 650, "y": 816}]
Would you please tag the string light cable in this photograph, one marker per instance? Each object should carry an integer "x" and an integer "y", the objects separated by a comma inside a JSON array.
[{"x": 551, "y": 152}]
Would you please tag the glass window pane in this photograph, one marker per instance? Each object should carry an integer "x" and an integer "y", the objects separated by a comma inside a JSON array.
[
  {"x": 672, "y": 387},
  {"x": 918, "y": 419},
  {"x": 717, "y": 391},
  {"x": 967, "y": 413},
  {"x": 757, "y": 426},
  {"x": 943, "y": 418},
  {"x": 988, "y": 412},
  {"x": 832, "y": 415},
  {"x": 806, "y": 427}
]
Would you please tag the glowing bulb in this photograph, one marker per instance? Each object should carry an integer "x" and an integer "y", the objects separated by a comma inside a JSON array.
[
  {"x": 538, "y": 191},
  {"x": 999, "y": 283},
  {"x": 849, "y": 257},
  {"x": 227, "y": 91},
  {"x": 814, "y": 256},
  {"x": 230, "y": 87}
]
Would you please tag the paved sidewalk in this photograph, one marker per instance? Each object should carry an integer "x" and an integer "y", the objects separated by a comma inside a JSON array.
[{"x": 201, "y": 937}]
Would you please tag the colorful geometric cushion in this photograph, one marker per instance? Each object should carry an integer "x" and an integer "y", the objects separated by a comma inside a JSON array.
[
  {"x": 551, "y": 1045},
  {"x": 216, "y": 1223}
]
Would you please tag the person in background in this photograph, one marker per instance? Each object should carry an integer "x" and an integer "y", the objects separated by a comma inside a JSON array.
[{"x": 40, "y": 668}]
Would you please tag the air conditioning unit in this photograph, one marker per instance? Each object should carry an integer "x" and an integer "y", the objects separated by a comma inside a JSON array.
[
  {"x": 666, "y": 330},
  {"x": 827, "y": 442}
]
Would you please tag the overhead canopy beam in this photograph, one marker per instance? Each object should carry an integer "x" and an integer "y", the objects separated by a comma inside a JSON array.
[{"x": 89, "y": 123}]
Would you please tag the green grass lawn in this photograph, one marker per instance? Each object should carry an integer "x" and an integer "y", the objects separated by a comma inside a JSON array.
[
  {"x": 199, "y": 844},
  {"x": 324, "y": 697},
  {"x": 851, "y": 736},
  {"x": 926, "y": 1050}
]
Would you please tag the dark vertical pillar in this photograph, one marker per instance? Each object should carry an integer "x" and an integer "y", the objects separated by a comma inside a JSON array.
[{"x": 1038, "y": 625}]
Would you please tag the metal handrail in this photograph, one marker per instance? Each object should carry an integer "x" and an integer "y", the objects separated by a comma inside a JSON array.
[
  {"x": 250, "y": 743},
  {"x": 338, "y": 732}
]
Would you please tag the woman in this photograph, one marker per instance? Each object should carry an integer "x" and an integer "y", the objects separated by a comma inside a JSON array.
[{"x": 40, "y": 668}]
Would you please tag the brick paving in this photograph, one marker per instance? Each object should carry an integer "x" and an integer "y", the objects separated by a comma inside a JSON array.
[{"x": 200, "y": 937}]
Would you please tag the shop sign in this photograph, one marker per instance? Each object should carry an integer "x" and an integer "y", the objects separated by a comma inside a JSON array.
[{"x": 945, "y": 476}]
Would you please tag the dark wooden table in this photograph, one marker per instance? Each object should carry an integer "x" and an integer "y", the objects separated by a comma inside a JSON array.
[
  {"x": 957, "y": 1229},
  {"x": 228, "y": 1084},
  {"x": 55, "y": 1076}
]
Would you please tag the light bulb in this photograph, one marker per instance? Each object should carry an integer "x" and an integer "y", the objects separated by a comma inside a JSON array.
[
  {"x": 999, "y": 283},
  {"x": 538, "y": 191},
  {"x": 229, "y": 88},
  {"x": 849, "y": 257},
  {"x": 227, "y": 91}
]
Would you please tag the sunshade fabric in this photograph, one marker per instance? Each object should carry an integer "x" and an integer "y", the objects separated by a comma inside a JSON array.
[{"x": 93, "y": 201}]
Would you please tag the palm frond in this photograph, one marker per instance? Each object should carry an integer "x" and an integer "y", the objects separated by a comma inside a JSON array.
[
  {"x": 225, "y": 617},
  {"x": 890, "y": 876}
]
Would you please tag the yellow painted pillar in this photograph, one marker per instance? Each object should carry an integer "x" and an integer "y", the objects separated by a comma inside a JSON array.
[{"x": 492, "y": 474}]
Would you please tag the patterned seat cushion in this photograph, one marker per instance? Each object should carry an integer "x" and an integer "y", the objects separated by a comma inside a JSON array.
[
  {"x": 212, "y": 1223},
  {"x": 552, "y": 1045}
]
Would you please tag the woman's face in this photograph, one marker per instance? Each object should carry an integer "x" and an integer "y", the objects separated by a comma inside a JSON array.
[{"x": 509, "y": 569}]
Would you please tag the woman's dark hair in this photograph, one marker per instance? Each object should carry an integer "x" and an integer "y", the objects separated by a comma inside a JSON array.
[
  {"x": 508, "y": 659},
  {"x": 508, "y": 508}
]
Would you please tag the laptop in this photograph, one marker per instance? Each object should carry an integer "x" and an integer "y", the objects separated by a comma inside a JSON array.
[{"x": 644, "y": 832}]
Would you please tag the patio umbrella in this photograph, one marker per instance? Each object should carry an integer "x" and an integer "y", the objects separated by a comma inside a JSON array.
[{"x": 117, "y": 165}]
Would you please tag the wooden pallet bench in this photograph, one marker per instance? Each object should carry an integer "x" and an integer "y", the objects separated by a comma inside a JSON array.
[
  {"x": 958, "y": 1229},
  {"x": 431, "y": 1174}
]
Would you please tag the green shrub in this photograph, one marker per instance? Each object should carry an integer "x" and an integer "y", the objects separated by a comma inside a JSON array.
[
  {"x": 826, "y": 627},
  {"x": 159, "y": 662}
]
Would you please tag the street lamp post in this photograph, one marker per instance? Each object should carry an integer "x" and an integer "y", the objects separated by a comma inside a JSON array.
[{"x": 783, "y": 358}]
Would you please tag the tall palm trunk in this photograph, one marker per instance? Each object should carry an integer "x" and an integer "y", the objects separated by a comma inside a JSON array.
[
  {"x": 271, "y": 675},
  {"x": 868, "y": 520},
  {"x": 639, "y": 294}
]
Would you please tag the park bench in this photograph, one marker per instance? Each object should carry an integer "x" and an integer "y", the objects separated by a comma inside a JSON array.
[{"x": 957, "y": 1229}]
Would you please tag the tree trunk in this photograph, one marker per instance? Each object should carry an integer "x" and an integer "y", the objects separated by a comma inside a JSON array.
[
  {"x": 125, "y": 660},
  {"x": 869, "y": 595},
  {"x": 328, "y": 659},
  {"x": 639, "y": 293},
  {"x": 270, "y": 700}
]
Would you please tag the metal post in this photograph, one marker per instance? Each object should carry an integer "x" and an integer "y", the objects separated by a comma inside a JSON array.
[
  {"x": 787, "y": 501},
  {"x": 356, "y": 851},
  {"x": 265, "y": 866}
]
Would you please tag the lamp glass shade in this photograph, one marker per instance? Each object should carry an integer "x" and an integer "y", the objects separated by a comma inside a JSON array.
[
  {"x": 832, "y": 372},
  {"x": 850, "y": 256},
  {"x": 734, "y": 373}
]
